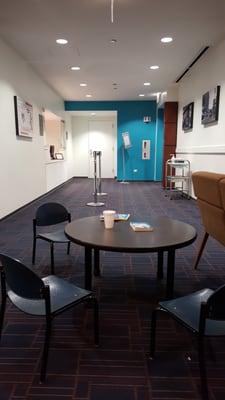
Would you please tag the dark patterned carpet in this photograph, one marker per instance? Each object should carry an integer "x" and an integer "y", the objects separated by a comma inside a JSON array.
[{"x": 127, "y": 292}]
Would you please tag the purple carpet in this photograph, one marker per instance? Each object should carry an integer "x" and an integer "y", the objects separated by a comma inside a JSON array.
[{"x": 127, "y": 292}]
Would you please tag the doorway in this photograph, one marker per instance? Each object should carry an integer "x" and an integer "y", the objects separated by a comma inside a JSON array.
[{"x": 102, "y": 137}]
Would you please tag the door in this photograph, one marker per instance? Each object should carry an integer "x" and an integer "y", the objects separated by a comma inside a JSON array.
[{"x": 102, "y": 137}]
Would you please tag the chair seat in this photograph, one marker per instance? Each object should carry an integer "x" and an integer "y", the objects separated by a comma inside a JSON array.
[
  {"x": 55, "y": 236},
  {"x": 62, "y": 294},
  {"x": 187, "y": 310}
]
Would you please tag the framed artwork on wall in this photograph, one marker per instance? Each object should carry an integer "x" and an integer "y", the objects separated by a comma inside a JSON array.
[
  {"x": 210, "y": 106},
  {"x": 188, "y": 113},
  {"x": 23, "y": 117}
]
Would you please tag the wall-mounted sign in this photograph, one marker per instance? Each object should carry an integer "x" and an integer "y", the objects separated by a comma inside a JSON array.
[
  {"x": 146, "y": 148},
  {"x": 24, "y": 117}
]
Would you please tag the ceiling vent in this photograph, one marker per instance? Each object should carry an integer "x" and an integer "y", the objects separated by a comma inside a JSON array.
[{"x": 193, "y": 62}]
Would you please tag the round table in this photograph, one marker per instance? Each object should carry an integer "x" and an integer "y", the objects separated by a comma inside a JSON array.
[{"x": 167, "y": 235}]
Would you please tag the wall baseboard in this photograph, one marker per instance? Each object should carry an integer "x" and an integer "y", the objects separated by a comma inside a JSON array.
[{"x": 37, "y": 198}]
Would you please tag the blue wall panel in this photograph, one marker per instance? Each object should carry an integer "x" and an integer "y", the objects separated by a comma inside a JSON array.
[{"x": 130, "y": 116}]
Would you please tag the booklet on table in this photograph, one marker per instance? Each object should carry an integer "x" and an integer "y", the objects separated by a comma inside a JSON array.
[{"x": 141, "y": 226}]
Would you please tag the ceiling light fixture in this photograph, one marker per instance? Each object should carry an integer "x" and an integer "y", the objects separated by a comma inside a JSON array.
[
  {"x": 147, "y": 83},
  {"x": 141, "y": 95},
  {"x": 75, "y": 68},
  {"x": 167, "y": 39},
  {"x": 83, "y": 84},
  {"x": 88, "y": 95},
  {"x": 93, "y": 113},
  {"x": 154, "y": 67},
  {"x": 112, "y": 10},
  {"x": 61, "y": 41}
]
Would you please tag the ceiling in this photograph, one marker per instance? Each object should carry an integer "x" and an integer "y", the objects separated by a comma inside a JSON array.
[{"x": 32, "y": 27}]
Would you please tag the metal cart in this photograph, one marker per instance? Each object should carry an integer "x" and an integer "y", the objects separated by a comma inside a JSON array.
[{"x": 177, "y": 177}]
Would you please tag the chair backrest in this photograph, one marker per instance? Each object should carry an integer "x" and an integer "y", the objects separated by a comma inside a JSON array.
[
  {"x": 51, "y": 214},
  {"x": 209, "y": 188},
  {"x": 216, "y": 304},
  {"x": 20, "y": 279}
]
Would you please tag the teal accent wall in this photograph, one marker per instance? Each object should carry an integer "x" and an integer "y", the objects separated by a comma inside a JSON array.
[{"x": 130, "y": 116}]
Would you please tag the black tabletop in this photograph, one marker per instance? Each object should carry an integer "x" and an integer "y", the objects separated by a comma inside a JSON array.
[{"x": 167, "y": 233}]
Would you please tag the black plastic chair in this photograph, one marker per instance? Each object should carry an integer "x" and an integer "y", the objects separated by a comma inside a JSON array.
[
  {"x": 46, "y": 297},
  {"x": 50, "y": 214},
  {"x": 203, "y": 313}
]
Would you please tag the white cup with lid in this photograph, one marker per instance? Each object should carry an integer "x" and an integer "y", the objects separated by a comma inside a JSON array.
[{"x": 109, "y": 217}]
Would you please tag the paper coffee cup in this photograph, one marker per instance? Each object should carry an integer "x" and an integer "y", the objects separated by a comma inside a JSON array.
[{"x": 109, "y": 216}]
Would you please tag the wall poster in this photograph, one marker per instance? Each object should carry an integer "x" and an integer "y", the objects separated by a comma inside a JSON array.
[{"x": 24, "y": 117}]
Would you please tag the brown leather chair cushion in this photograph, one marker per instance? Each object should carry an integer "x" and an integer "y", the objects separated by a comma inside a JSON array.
[{"x": 206, "y": 187}]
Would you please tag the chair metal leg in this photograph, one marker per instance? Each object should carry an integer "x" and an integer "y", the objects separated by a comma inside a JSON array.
[
  {"x": 34, "y": 250},
  {"x": 202, "y": 368},
  {"x": 2, "y": 314},
  {"x": 152, "y": 335},
  {"x": 3, "y": 299},
  {"x": 68, "y": 248},
  {"x": 52, "y": 258},
  {"x": 204, "y": 240},
  {"x": 44, "y": 359}
]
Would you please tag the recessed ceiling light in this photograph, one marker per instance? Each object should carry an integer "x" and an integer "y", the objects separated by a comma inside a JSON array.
[
  {"x": 75, "y": 68},
  {"x": 61, "y": 41},
  {"x": 83, "y": 84},
  {"x": 141, "y": 95},
  {"x": 154, "y": 67},
  {"x": 147, "y": 83},
  {"x": 113, "y": 41},
  {"x": 88, "y": 95},
  {"x": 93, "y": 113},
  {"x": 167, "y": 39}
]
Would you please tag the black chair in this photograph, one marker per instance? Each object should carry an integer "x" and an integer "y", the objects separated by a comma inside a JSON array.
[
  {"x": 45, "y": 297},
  {"x": 203, "y": 313},
  {"x": 50, "y": 214}
]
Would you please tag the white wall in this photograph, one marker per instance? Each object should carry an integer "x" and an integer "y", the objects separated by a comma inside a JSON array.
[
  {"x": 22, "y": 161},
  {"x": 80, "y": 135},
  {"x": 204, "y": 146}
]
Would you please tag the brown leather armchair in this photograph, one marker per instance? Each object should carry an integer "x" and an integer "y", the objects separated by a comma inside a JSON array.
[{"x": 209, "y": 189}]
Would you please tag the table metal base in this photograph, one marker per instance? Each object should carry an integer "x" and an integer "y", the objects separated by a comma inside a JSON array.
[{"x": 97, "y": 204}]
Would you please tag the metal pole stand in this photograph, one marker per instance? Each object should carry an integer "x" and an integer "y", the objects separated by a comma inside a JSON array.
[
  {"x": 124, "y": 173},
  {"x": 99, "y": 180},
  {"x": 95, "y": 203}
]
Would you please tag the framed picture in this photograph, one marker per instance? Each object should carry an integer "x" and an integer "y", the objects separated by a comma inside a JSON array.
[
  {"x": 210, "y": 106},
  {"x": 23, "y": 117},
  {"x": 188, "y": 113}
]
